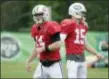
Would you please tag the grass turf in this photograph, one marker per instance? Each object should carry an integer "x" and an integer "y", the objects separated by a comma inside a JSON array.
[{"x": 17, "y": 70}]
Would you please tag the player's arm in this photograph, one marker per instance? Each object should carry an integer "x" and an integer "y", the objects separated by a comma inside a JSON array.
[
  {"x": 65, "y": 30},
  {"x": 56, "y": 43},
  {"x": 34, "y": 52},
  {"x": 91, "y": 50},
  {"x": 30, "y": 59},
  {"x": 33, "y": 55},
  {"x": 63, "y": 37}
]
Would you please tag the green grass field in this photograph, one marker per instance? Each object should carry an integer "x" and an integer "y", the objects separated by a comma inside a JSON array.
[
  {"x": 16, "y": 67},
  {"x": 17, "y": 70}
]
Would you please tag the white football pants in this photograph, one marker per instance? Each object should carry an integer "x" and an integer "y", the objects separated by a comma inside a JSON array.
[
  {"x": 76, "y": 69},
  {"x": 53, "y": 71}
]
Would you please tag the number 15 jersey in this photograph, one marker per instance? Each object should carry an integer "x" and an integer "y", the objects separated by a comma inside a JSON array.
[{"x": 76, "y": 34}]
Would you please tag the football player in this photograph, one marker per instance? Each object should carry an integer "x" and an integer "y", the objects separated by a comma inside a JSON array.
[
  {"x": 47, "y": 43},
  {"x": 74, "y": 31}
]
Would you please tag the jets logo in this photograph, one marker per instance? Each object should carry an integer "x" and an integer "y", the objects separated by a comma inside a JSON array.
[
  {"x": 9, "y": 47},
  {"x": 77, "y": 7}
]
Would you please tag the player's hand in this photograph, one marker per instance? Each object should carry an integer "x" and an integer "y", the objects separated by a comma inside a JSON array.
[
  {"x": 104, "y": 44},
  {"x": 99, "y": 56},
  {"x": 28, "y": 67},
  {"x": 40, "y": 49}
]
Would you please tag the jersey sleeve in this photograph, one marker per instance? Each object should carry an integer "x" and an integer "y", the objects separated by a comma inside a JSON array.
[
  {"x": 65, "y": 27},
  {"x": 33, "y": 32},
  {"x": 54, "y": 27}
]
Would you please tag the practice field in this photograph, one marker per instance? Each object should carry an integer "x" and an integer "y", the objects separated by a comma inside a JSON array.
[{"x": 17, "y": 70}]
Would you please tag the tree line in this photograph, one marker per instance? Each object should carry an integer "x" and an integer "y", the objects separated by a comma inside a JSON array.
[{"x": 17, "y": 15}]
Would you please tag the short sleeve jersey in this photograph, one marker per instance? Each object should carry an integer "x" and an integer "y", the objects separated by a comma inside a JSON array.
[
  {"x": 43, "y": 37},
  {"x": 76, "y": 34}
]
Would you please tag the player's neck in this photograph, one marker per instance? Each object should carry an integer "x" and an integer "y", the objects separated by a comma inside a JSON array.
[
  {"x": 39, "y": 26},
  {"x": 76, "y": 20}
]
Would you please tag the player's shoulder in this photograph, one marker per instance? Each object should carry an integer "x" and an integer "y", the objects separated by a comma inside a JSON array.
[
  {"x": 67, "y": 22},
  {"x": 33, "y": 26},
  {"x": 52, "y": 22},
  {"x": 53, "y": 27}
]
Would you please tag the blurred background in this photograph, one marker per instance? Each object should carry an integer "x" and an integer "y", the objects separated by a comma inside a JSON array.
[{"x": 17, "y": 44}]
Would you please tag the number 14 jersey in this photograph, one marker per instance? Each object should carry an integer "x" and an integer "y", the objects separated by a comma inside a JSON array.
[{"x": 43, "y": 37}]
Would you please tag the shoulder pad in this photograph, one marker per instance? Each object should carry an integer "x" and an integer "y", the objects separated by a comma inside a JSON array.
[{"x": 66, "y": 22}]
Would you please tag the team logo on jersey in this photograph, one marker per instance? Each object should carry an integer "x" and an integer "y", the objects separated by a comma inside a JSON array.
[{"x": 9, "y": 47}]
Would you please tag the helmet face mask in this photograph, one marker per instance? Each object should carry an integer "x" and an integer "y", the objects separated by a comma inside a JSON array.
[
  {"x": 38, "y": 19},
  {"x": 77, "y": 10},
  {"x": 40, "y": 14},
  {"x": 82, "y": 14}
]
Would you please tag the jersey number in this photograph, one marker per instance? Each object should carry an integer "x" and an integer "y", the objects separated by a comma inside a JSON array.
[
  {"x": 79, "y": 36},
  {"x": 39, "y": 41}
]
